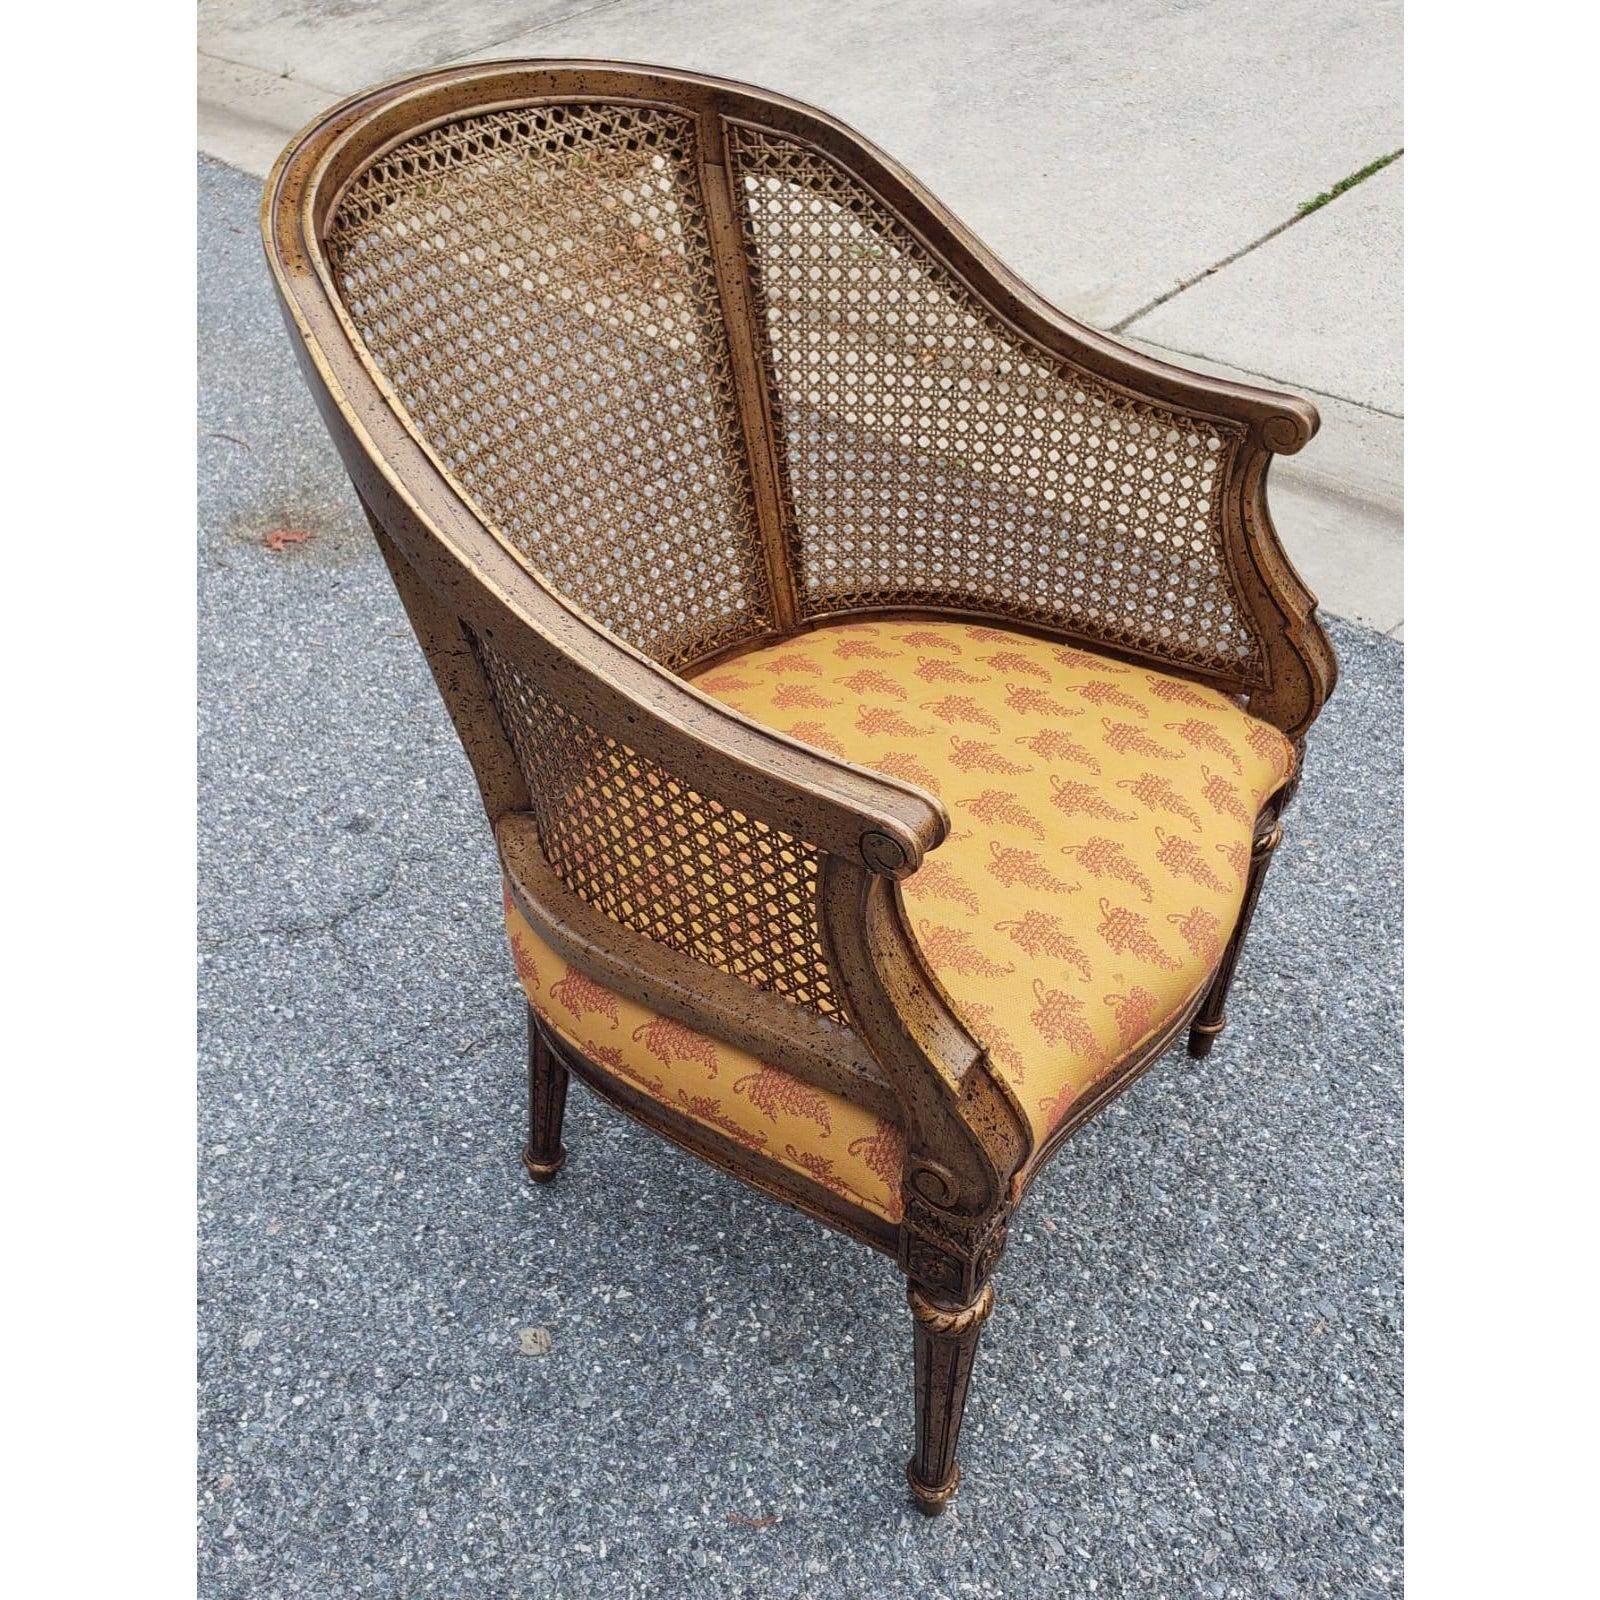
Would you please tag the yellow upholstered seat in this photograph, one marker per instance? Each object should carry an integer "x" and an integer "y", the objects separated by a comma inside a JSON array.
[{"x": 1101, "y": 819}]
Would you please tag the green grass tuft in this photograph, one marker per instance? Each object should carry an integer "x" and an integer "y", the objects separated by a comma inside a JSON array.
[{"x": 1306, "y": 207}]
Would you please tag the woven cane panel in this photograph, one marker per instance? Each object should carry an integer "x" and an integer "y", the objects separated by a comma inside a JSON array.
[
  {"x": 932, "y": 456},
  {"x": 642, "y": 846},
  {"x": 537, "y": 287}
]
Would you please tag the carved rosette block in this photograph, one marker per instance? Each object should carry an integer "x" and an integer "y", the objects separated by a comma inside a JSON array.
[
  {"x": 948, "y": 1262},
  {"x": 946, "y": 1343}
]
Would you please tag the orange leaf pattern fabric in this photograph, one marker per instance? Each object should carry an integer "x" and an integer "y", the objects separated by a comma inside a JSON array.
[
  {"x": 821, "y": 1135},
  {"x": 1101, "y": 821},
  {"x": 1101, "y": 816}
]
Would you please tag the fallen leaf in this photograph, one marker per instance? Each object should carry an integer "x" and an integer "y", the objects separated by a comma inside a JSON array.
[
  {"x": 533, "y": 1341},
  {"x": 281, "y": 537}
]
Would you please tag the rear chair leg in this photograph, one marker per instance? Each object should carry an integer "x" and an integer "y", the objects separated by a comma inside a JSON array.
[
  {"x": 946, "y": 1342},
  {"x": 547, "y": 1101},
  {"x": 1210, "y": 1019}
]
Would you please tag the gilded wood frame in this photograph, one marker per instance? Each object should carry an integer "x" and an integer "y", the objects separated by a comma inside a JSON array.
[{"x": 905, "y": 1051}]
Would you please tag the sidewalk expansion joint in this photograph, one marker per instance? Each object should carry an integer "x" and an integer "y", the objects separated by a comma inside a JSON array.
[
  {"x": 1307, "y": 208},
  {"x": 526, "y": 33},
  {"x": 1272, "y": 377},
  {"x": 272, "y": 77}
]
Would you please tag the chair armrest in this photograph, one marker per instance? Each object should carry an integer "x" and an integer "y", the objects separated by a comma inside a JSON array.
[
  {"x": 775, "y": 862},
  {"x": 748, "y": 885},
  {"x": 1292, "y": 668},
  {"x": 1083, "y": 488},
  {"x": 711, "y": 868}
]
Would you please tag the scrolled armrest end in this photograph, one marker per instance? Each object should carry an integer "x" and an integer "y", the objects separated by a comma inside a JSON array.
[
  {"x": 1290, "y": 428},
  {"x": 885, "y": 854}
]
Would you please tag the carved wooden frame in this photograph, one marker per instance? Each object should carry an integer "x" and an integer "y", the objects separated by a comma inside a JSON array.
[{"x": 906, "y": 1052}]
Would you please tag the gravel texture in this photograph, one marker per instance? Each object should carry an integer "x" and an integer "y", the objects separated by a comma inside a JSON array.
[{"x": 420, "y": 1376}]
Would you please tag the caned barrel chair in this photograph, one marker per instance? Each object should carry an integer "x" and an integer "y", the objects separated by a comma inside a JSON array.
[{"x": 884, "y": 690}]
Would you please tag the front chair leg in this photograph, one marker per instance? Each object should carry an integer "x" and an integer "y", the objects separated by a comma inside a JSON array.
[
  {"x": 547, "y": 1103},
  {"x": 1210, "y": 1018},
  {"x": 946, "y": 1342}
]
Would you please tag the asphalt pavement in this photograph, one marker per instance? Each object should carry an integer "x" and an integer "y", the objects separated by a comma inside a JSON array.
[{"x": 420, "y": 1376}]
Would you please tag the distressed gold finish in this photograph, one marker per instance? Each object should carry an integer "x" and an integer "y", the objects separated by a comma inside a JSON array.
[
  {"x": 636, "y": 371},
  {"x": 946, "y": 1345}
]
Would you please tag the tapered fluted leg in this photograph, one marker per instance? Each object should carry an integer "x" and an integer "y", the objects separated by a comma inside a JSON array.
[
  {"x": 547, "y": 1102},
  {"x": 1211, "y": 1017},
  {"x": 946, "y": 1342}
]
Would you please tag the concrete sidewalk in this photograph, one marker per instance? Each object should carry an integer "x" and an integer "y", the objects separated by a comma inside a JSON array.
[{"x": 1109, "y": 153}]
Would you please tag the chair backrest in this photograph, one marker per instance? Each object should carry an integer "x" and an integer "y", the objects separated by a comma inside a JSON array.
[
  {"x": 714, "y": 366},
  {"x": 934, "y": 456},
  {"x": 537, "y": 286}
]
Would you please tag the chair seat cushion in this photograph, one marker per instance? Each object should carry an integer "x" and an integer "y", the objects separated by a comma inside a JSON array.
[{"x": 1101, "y": 822}]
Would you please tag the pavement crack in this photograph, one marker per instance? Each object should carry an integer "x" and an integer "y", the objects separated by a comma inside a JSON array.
[
  {"x": 538, "y": 27},
  {"x": 286, "y": 76},
  {"x": 1272, "y": 377},
  {"x": 333, "y": 922},
  {"x": 1308, "y": 208}
]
